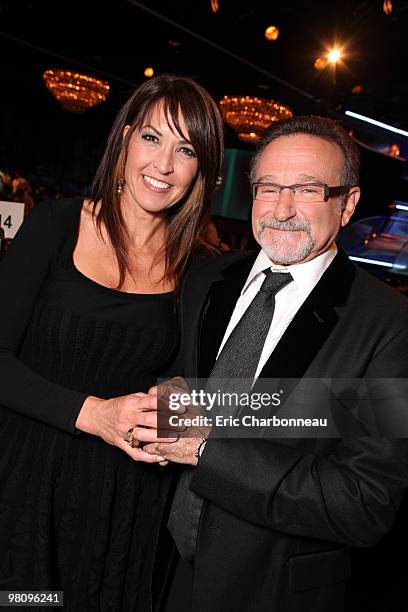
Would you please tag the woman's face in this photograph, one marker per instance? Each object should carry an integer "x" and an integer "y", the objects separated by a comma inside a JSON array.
[{"x": 161, "y": 165}]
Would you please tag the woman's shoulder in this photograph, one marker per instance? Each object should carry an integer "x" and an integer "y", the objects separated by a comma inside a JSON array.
[
  {"x": 59, "y": 210},
  {"x": 55, "y": 216},
  {"x": 52, "y": 221}
]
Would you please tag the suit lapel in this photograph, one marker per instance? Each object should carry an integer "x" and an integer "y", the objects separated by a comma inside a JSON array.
[
  {"x": 201, "y": 316},
  {"x": 218, "y": 309},
  {"x": 312, "y": 323}
]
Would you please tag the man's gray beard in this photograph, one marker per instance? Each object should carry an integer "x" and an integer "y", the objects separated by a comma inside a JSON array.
[{"x": 276, "y": 249}]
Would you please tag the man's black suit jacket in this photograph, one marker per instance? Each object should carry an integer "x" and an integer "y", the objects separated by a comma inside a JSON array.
[{"x": 280, "y": 516}]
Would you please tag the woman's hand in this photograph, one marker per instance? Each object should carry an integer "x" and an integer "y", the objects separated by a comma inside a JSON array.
[
  {"x": 184, "y": 446},
  {"x": 112, "y": 419}
]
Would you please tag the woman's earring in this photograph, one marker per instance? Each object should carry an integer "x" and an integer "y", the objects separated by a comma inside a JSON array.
[{"x": 120, "y": 186}]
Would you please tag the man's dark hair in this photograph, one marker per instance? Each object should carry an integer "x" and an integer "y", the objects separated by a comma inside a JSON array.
[{"x": 321, "y": 127}]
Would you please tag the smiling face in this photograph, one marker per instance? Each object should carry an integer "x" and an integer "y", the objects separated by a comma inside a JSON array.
[
  {"x": 161, "y": 164},
  {"x": 292, "y": 232}
]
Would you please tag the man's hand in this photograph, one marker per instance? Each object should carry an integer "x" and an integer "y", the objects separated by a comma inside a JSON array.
[
  {"x": 182, "y": 451},
  {"x": 187, "y": 439},
  {"x": 184, "y": 448}
]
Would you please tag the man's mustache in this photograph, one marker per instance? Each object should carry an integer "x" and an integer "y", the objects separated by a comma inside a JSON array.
[{"x": 291, "y": 225}]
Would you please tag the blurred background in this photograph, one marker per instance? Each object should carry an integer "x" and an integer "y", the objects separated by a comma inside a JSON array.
[{"x": 67, "y": 67}]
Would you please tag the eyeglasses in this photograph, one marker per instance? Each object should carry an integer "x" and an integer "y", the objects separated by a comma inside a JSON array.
[{"x": 301, "y": 192}]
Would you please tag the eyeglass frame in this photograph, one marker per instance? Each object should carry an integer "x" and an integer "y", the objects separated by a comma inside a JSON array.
[{"x": 329, "y": 192}]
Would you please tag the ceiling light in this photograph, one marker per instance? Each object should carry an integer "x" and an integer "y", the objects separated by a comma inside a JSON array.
[
  {"x": 74, "y": 91},
  {"x": 334, "y": 56},
  {"x": 357, "y": 89},
  {"x": 250, "y": 116},
  {"x": 394, "y": 150},
  {"x": 272, "y": 33},
  {"x": 387, "y": 7},
  {"x": 320, "y": 63}
]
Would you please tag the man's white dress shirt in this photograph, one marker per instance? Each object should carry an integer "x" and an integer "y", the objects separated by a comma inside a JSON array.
[{"x": 287, "y": 301}]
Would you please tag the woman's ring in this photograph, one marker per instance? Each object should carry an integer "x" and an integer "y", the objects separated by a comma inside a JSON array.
[{"x": 129, "y": 436}]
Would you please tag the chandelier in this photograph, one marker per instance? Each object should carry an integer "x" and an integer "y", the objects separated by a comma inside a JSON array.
[
  {"x": 250, "y": 116},
  {"x": 76, "y": 92}
]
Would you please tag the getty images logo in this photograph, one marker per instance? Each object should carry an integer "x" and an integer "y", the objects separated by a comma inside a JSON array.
[{"x": 207, "y": 400}]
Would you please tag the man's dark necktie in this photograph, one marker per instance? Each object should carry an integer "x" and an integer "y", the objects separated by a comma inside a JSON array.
[{"x": 238, "y": 359}]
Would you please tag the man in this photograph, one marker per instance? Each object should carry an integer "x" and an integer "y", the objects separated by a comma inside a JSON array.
[{"x": 273, "y": 520}]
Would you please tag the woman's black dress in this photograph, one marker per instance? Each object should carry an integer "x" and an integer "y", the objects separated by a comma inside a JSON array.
[{"x": 76, "y": 514}]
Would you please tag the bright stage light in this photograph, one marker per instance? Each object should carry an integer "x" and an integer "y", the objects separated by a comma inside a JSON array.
[
  {"x": 376, "y": 262},
  {"x": 334, "y": 56},
  {"x": 380, "y": 124}
]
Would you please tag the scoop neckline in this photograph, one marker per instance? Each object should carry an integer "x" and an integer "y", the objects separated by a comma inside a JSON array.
[
  {"x": 90, "y": 281},
  {"x": 94, "y": 283}
]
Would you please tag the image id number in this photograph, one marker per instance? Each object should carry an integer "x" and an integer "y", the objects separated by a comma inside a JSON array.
[{"x": 31, "y": 598}]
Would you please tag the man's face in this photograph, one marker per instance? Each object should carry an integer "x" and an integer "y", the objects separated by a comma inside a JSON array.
[{"x": 293, "y": 232}]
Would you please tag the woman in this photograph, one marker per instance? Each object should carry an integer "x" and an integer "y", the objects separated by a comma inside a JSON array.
[{"x": 87, "y": 304}]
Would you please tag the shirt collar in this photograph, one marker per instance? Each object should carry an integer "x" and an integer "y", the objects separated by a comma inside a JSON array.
[{"x": 305, "y": 275}]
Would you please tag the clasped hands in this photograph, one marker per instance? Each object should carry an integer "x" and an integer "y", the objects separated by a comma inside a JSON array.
[
  {"x": 133, "y": 422},
  {"x": 185, "y": 440}
]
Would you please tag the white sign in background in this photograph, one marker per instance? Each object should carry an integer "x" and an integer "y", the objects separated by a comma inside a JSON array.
[{"x": 11, "y": 217}]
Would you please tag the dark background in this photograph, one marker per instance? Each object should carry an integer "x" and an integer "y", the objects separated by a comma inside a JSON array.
[{"x": 117, "y": 39}]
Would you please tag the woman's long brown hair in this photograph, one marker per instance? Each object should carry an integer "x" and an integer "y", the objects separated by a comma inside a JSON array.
[{"x": 180, "y": 96}]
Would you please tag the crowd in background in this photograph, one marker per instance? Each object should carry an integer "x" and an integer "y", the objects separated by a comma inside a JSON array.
[
  {"x": 222, "y": 234},
  {"x": 15, "y": 187}
]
